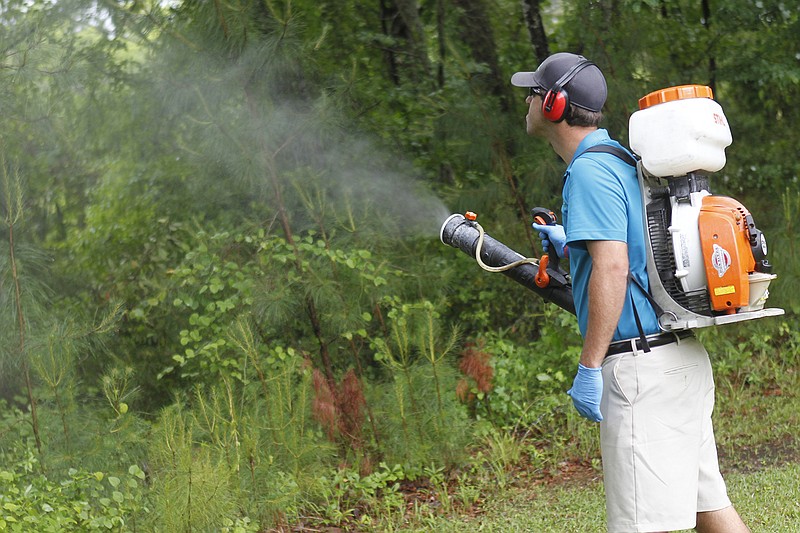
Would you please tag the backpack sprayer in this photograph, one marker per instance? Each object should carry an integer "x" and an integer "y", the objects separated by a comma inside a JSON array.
[{"x": 706, "y": 259}]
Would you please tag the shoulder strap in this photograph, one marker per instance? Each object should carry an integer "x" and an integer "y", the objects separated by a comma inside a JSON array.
[
  {"x": 613, "y": 150},
  {"x": 607, "y": 149},
  {"x": 657, "y": 308}
]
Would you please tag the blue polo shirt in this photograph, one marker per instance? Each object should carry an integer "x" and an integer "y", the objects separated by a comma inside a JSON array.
[{"x": 602, "y": 202}]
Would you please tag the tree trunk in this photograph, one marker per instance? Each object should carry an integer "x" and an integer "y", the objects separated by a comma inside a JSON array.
[
  {"x": 712, "y": 62},
  {"x": 440, "y": 12},
  {"x": 419, "y": 66},
  {"x": 476, "y": 32},
  {"x": 531, "y": 12},
  {"x": 387, "y": 16}
]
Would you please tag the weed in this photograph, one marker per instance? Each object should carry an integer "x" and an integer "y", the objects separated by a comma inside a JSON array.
[
  {"x": 436, "y": 477},
  {"x": 467, "y": 492}
]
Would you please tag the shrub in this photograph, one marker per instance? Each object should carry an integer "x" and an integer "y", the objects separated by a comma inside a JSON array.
[{"x": 77, "y": 500}]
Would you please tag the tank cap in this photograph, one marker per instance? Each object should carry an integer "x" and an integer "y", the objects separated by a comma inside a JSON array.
[{"x": 681, "y": 92}]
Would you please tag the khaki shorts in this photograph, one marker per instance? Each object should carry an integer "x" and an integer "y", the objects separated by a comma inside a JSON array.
[{"x": 660, "y": 463}]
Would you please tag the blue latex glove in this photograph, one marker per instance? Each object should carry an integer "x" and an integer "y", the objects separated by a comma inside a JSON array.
[
  {"x": 586, "y": 391},
  {"x": 552, "y": 235}
]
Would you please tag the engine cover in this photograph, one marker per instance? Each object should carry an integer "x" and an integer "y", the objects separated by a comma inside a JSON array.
[{"x": 727, "y": 254}]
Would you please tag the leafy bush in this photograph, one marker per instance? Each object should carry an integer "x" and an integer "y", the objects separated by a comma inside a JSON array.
[
  {"x": 530, "y": 378},
  {"x": 73, "y": 501}
]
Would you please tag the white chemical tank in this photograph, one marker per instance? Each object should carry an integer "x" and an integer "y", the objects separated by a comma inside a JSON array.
[{"x": 680, "y": 130}]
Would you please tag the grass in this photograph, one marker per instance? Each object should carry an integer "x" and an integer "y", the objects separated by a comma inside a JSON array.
[{"x": 768, "y": 500}]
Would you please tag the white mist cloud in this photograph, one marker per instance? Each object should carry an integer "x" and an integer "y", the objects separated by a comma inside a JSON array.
[{"x": 257, "y": 118}]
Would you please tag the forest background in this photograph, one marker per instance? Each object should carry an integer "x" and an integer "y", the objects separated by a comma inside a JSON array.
[{"x": 223, "y": 301}]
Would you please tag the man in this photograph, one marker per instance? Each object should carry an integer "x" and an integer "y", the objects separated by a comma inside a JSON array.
[{"x": 652, "y": 392}]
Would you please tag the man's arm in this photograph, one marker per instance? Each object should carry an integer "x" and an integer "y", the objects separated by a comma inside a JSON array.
[{"x": 607, "y": 289}]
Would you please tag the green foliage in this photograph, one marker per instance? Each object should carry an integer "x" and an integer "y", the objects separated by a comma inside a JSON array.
[
  {"x": 418, "y": 415},
  {"x": 762, "y": 353},
  {"x": 247, "y": 442},
  {"x": 352, "y": 498},
  {"x": 645, "y": 46},
  {"x": 213, "y": 291},
  {"x": 194, "y": 487},
  {"x": 227, "y": 277},
  {"x": 530, "y": 380},
  {"x": 75, "y": 500},
  {"x": 784, "y": 252}
]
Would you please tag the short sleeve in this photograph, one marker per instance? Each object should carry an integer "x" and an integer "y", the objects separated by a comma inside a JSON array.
[{"x": 596, "y": 203}]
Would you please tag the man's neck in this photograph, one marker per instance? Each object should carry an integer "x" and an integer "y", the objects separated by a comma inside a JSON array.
[{"x": 565, "y": 139}]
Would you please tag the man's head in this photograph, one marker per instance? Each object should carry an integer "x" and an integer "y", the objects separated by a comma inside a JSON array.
[{"x": 571, "y": 88}]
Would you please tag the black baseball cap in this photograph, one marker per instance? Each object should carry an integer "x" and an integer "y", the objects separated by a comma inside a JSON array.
[{"x": 587, "y": 89}]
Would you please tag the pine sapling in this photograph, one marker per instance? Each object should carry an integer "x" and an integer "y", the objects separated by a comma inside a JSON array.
[{"x": 13, "y": 215}]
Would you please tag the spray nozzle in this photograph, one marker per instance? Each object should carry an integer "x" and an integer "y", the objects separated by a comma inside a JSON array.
[{"x": 472, "y": 217}]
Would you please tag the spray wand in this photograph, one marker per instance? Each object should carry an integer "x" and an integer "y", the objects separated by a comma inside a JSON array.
[{"x": 542, "y": 276}]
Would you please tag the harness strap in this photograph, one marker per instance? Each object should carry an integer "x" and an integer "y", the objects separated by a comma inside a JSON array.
[
  {"x": 642, "y": 336},
  {"x": 606, "y": 149},
  {"x": 613, "y": 150}
]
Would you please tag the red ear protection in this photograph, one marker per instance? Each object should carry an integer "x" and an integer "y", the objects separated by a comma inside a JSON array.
[{"x": 555, "y": 103}]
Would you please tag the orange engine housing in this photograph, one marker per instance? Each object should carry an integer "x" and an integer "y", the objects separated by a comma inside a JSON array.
[{"x": 727, "y": 255}]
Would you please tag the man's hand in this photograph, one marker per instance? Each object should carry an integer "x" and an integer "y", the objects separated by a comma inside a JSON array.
[
  {"x": 586, "y": 391},
  {"x": 552, "y": 235}
]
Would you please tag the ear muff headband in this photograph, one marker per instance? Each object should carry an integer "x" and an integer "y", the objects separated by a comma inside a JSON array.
[{"x": 556, "y": 102}]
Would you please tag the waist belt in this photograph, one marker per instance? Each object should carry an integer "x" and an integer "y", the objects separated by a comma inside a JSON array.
[{"x": 652, "y": 340}]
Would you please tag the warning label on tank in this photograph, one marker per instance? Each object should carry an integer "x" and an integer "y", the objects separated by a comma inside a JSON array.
[{"x": 720, "y": 259}]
